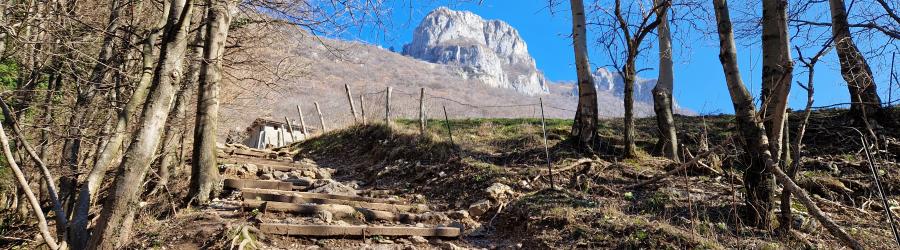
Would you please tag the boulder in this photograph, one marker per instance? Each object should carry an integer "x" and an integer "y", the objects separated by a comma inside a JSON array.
[
  {"x": 479, "y": 208},
  {"x": 329, "y": 186}
]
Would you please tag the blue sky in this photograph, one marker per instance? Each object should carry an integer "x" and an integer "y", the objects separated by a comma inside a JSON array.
[{"x": 699, "y": 81}]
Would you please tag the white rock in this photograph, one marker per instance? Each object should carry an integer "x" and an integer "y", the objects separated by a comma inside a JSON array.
[{"x": 488, "y": 50}]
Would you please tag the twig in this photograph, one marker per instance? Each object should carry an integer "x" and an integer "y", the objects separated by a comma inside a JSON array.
[
  {"x": 676, "y": 170},
  {"x": 573, "y": 165}
]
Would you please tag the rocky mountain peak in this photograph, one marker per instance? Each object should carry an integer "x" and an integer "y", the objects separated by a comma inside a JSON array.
[
  {"x": 487, "y": 50},
  {"x": 613, "y": 82}
]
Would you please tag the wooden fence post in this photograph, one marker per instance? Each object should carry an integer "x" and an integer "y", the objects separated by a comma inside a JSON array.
[
  {"x": 302, "y": 122},
  {"x": 290, "y": 129},
  {"x": 449, "y": 131},
  {"x": 362, "y": 107},
  {"x": 546, "y": 148},
  {"x": 422, "y": 111},
  {"x": 387, "y": 106},
  {"x": 321, "y": 118},
  {"x": 350, "y": 99}
]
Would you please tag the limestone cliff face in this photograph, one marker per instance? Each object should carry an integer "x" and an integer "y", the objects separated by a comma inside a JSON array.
[
  {"x": 613, "y": 82},
  {"x": 489, "y": 51}
]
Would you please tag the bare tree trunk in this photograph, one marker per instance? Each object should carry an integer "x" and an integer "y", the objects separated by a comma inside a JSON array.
[
  {"x": 174, "y": 134},
  {"x": 112, "y": 150},
  {"x": 113, "y": 226},
  {"x": 204, "y": 172},
  {"x": 854, "y": 67},
  {"x": 35, "y": 204},
  {"x": 776, "y": 72},
  {"x": 755, "y": 137},
  {"x": 629, "y": 75},
  {"x": 584, "y": 128},
  {"x": 72, "y": 147},
  {"x": 62, "y": 222},
  {"x": 757, "y": 178},
  {"x": 662, "y": 92}
]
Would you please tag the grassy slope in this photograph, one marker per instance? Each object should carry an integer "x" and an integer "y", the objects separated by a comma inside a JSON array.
[{"x": 687, "y": 211}]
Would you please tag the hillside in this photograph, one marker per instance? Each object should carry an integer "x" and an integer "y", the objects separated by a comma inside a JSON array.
[{"x": 316, "y": 69}]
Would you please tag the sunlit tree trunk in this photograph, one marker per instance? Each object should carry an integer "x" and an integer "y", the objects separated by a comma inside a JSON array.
[
  {"x": 204, "y": 172},
  {"x": 758, "y": 180},
  {"x": 662, "y": 92},
  {"x": 584, "y": 129},
  {"x": 114, "y": 224},
  {"x": 111, "y": 151},
  {"x": 865, "y": 102},
  {"x": 777, "y": 69}
]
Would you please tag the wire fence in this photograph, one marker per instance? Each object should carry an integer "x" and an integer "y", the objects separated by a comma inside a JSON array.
[{"x": 378, "y": 106}]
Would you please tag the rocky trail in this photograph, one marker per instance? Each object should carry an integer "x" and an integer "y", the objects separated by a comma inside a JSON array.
[{"x": 291, "y": 203}]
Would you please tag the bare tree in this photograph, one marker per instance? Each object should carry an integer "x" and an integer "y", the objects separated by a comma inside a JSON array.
[
  {"x": 204, "y": 171},
  {"x": 631, "y": 28},
  {"x": 586, "y": 115},
  {"x": 662, "y": 92},
  {"x": 758, "y": 178},
  {"x": 115, "y": 221},
  {"x": 854, "y": 67},
  {"x": 110, "y": 153},
  {"x": 777, "y": 71}
]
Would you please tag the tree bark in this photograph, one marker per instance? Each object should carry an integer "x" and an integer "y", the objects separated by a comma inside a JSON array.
[
  {"x": 62, "y": 222},
  {"x": 757, "y": 178},
  {"x": 855, "y": 69},
  {"x": 777, "y": 69},
  {"x": 112, "y": 150},
  {"x": 85, "y": 96},
  {"x": 662, "y": 92},
  {"x": 204, "y": 172},
  {"x": 584, "y": 128},
  {"x": 113, "y": 226},
  {"x": 35, "y": 204},
  {"x": 177, "y": 119}
]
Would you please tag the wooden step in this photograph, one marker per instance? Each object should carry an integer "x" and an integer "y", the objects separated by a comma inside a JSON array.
[
  {"x": 262, "y": 161},
  {"x": 336, "y": 230},
  {"x": 329, "y": 196},
  {"x": 258, "y": 184},
  {"x": 302, "y": 197},
  {"x": 339, "y": 212},
  {"x": 274, "y": 165},
  {"x": 251, "y": 153}
]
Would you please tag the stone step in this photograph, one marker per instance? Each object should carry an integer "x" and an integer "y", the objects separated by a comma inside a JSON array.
[
  {"x": 337, "y": 230},
  {"x": 242, "y": 184},
  {"x": 303, "y": 197},
  {"x": 331, "y": 196},
  {"x": 336, "y": 211}
]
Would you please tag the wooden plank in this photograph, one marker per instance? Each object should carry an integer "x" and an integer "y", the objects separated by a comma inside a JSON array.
[
  {"x": 337, "y": 230},
  {"x": 338, "y": 212},
  {"x": 266, "y": 162},
  {"x": 251, "y": 153},
  {"x": 332, "y": 196},
  {"x": 258, "y": 184},
  {"x": 294, "y": 197}
]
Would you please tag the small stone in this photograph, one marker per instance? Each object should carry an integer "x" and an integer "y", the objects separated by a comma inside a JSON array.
[
  {"x": 325, "y": 216},
  {"x": 267, "y": 177},
  {"x": 451, "y": 246},
  {"x": 479, "y": 208},
  {"x": 420, "y": 225},
  {"x": 251, "y": 169},
  {"x": 458, "y": 214},
  {"x": 500, "y": 192},
  {"x": 418, "y": 240},
  {"x": 524, "y": 184}
]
